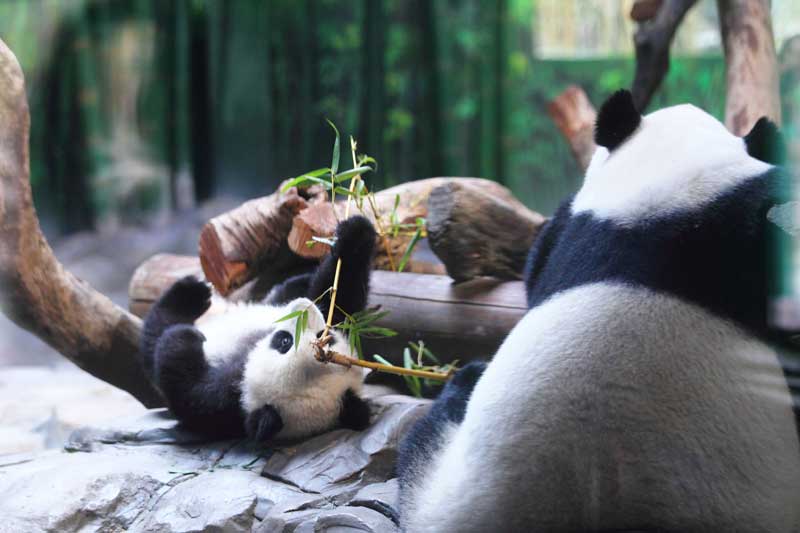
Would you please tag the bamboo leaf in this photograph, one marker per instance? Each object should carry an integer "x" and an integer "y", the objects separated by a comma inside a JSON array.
[
  {"x": 381, "y": 360},
  {"x": 409, "y": 249},
  {"x": 300, "y": 180},
  {"x": 290, "y": 316},
  {"x": 347, "y": 174},
  {"x": 359, "y": 351},
  {"x": 407, "y": 361},
  {"x": 336, "y": 150},
  {"x": 378, "y": 332}
]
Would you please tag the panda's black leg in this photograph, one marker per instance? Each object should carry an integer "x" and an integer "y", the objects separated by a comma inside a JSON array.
[
  {"x": 203, "y": 397},
  {"x": 291, "y": 289},
  {"x": 425, "y": 437},
  {"x": 183, "y": 303},
  {"x": 263, "y": 424},
  {"x": 355, "y": 244},
  {"x": 355, "y": 412}
]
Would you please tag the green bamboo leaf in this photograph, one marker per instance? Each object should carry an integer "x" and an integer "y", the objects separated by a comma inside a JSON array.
[
  {"x": 364, "y": 159},
  {"x": 359, "y": 351},
  {"x": 301, "y": 180},
  {"x": 409, "y": 249},
  {"x": 336, "y": 150},
  {"x": 290, "y": 316},
  {"x": 297, "y": 332},
  {"x": 378, "y": 332},
  {"x": 347, "y": 174},
  {"x": 381, "y": 360},
  {"x": 408, "y": 362}
]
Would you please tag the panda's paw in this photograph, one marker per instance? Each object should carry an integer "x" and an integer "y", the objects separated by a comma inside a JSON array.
[
  {"x": 179, "y": 357},
  {"x": 468, "y": 376},
  {"x": 263, "y": 424},
  {"x": 355, "y": 237},
  {"x": 188, "y": 297}
]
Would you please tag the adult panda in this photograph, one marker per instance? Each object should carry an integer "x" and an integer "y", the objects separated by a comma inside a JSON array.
[
  {"x": 637, "y": 393},
  {"x": 242, "y": 372}
]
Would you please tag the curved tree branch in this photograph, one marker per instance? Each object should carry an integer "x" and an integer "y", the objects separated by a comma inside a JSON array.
[
  {"x": 36, "y": 291},
  {"x": 652, "y": 41}
]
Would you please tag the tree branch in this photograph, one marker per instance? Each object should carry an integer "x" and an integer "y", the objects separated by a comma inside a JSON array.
[
  {"x": 652, "y": 41},
  {"x": 751, "y": 64},
  {"x": 36, "y": 292}
]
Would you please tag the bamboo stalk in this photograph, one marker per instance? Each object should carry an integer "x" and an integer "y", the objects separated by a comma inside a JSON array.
[
  {"x": 344, "y": 360},
  {"x": 329, "y": 356}
]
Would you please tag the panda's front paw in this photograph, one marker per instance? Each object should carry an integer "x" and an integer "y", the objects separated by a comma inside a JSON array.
[
  {"x": 263, "y": 424},
  {"x": 355, "y": 237},
  {"x": 188, "y": 297},
  {"x": 468, "y": 376}
]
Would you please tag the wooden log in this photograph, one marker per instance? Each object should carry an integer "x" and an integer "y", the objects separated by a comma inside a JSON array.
[
  {"x": 574, "y": 115},
  {"x": 36, "y": 292},
  {"x": 319, "y": 220},
  {"x": 250, "y": 239},
  {"x": 465, "y": 321},
  {"x": 652, "y": 41},
  {"x": 751, "y": 64},
  {"x": 156, "y": 275},
  {"x": 476, "y": 234}
]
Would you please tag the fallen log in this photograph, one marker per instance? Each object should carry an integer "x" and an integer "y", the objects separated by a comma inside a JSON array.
[
  {"x": 463, "y": 321},
  {"x": 751, "y": 64},
  {"x": 266, "y": 238},
  {"x": 477, "y": 234},
  {"x": 574, "y": 115},
  {"x": 36, "y": 292},
  {"x": 250, "y": 239}
]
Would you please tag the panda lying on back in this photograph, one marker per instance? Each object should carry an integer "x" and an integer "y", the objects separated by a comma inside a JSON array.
[
  {"x": 636, "y": 394},
  {"x": 239, "y": 371}
]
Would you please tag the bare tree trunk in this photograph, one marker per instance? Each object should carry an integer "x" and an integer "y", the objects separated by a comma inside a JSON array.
[
  {"x": 751, "y": 64},
  {"x": 36, "y": 292}
]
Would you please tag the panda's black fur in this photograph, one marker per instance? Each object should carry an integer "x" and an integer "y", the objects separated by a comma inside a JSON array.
[
  {"x": 207, "y": 395},
  {"x": 491, "y": 454}
]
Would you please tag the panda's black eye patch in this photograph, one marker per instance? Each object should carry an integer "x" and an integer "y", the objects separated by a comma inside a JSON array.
[{"x": 282, "y": 341}]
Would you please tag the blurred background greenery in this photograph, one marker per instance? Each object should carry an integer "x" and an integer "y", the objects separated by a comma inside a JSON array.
[{"x": 142, "y": 107}]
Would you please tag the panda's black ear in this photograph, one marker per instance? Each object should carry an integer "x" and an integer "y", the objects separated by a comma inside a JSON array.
[
  {"x": 765, "y": 142},
  {"x": 617, "y": 120}
]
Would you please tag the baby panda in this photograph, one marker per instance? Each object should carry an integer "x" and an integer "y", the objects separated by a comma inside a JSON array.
[
  {"x": 638, "y": 392},
  {"x": 241, "y": 372}
]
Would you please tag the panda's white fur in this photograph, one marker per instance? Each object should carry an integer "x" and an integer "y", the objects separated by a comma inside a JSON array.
[
  {"x": 574, "y": 393},
  {"x": 306, "y": 393},
  {"x": 679, "y": 158},
  {"x": 241, "y": 370},
  {"x": 611, "y": 406}
]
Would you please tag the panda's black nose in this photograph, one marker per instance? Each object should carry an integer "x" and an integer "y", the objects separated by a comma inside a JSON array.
[{"x": 320, "y": 332}]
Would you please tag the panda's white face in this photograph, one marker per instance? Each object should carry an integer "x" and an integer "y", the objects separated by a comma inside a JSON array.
[
  {"x": 679, "y": 158},
  {"x": 279, "y": 371}
]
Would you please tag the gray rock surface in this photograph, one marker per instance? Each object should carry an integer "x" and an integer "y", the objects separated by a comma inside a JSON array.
[{"x": 146, "y": 474}]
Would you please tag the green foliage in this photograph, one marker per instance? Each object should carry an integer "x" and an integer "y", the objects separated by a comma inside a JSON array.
[
  {"x": 425, "y": 360},
  {"x": 438, "y": 88}
]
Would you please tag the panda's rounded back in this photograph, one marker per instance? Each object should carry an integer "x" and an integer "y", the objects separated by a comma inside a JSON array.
[
  {"x": 612, "y": 407},
  {"x": 636, "y": 393}
]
